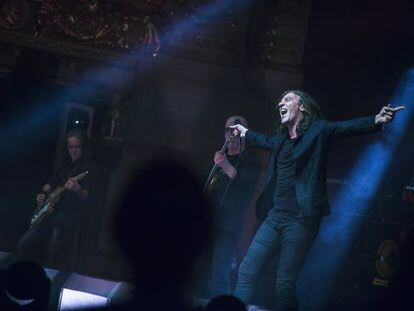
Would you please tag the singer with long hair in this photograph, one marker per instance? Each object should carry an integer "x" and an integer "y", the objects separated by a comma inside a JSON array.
[{"x": 295, "y": 184}]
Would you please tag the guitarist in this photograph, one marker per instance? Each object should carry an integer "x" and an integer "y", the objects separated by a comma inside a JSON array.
[
  {"x": 63, "y": 175},
  {"x": 231, "y": 194},
  {"x": 54, "y": 239}
]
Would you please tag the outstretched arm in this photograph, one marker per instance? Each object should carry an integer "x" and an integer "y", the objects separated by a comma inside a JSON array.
[
  {"x": 255, "y": 138},
  {"x": 340, "y": 129}
]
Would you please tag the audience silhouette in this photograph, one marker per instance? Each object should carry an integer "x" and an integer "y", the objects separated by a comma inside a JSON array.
[
  {"x": 225, "y": 303},
  {"x": 163, "y": 225},
  {"x": 24, "y": 286}
]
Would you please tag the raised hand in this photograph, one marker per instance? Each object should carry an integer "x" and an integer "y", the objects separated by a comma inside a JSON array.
[
  {"x": 239, "y": 129},
  {"x": 387, "y": 113},
  {"x": 72, "y": 185},
  {"x": 220, "y": 159},
  {"x": 40, "y": 198}
]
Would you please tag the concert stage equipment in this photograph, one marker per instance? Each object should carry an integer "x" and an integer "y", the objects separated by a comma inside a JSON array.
[
  {"x": 71, "y": 291},
  {"x": 378, "y": 271},
  {"x": 81, "y": 291}
]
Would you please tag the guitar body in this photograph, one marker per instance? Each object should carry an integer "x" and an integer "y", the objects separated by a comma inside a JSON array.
[
  {"x": 43, "y": 210},
  {"x": 48, "y": 206}
]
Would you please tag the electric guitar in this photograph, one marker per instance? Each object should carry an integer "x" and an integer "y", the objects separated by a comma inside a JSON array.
[{"x": 49, "y": 205}]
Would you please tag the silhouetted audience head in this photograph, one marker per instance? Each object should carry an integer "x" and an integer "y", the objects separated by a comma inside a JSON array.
[
  {"x": 24, "y": 286},
  {"x": 163, "y": 225},
  {"x": 225, "y": 303}
]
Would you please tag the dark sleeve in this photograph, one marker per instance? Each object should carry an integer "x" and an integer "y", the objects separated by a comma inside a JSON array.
[
  {"x": 337, "y": 130},
  {"x": 260, "y": 140},
  {"x": 87, "y": 182}
]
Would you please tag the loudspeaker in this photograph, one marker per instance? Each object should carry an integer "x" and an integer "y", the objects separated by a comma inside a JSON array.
[
  {"x": 58, "y": 278},
  {"x": 81, "y": 291},
  {"x": 382, "y": 251},
  {"x": 75, "y": 291},
  {"x": 374, "y": 276}
]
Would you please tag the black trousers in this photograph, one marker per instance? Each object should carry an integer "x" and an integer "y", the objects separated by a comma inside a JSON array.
[
  {"x": 291, "y": 238},
  {"x": 53, "y": 242}
]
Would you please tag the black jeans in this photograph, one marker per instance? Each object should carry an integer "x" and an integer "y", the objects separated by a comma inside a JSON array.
[
  {"x": 291, "y": 237},
  {"x": 53, "y": 241}
]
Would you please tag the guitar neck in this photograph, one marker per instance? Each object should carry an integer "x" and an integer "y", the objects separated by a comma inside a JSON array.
[{"x": 58, "y": 191}]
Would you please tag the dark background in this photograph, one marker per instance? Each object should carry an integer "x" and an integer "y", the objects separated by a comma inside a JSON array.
[{"x": 357, "y": 53}]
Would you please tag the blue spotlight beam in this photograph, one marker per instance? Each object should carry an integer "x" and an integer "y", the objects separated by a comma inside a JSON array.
[
  {"x": 31, "y": 123},
  {"x": 339, "y": 231}
]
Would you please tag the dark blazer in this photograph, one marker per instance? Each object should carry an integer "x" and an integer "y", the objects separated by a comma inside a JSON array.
[{"x": 310, "y": 153}]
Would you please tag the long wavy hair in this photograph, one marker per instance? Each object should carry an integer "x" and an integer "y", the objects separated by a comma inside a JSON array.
[{"x": 312, "y": 111}]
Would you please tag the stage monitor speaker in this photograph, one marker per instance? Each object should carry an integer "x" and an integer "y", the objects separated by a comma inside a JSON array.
[
  {"x": 58, "y": 278},
  {"x": 81, "y": 291}
]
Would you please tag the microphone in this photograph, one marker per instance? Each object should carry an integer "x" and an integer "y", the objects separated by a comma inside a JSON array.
[{"x": 237, "y": 121}]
